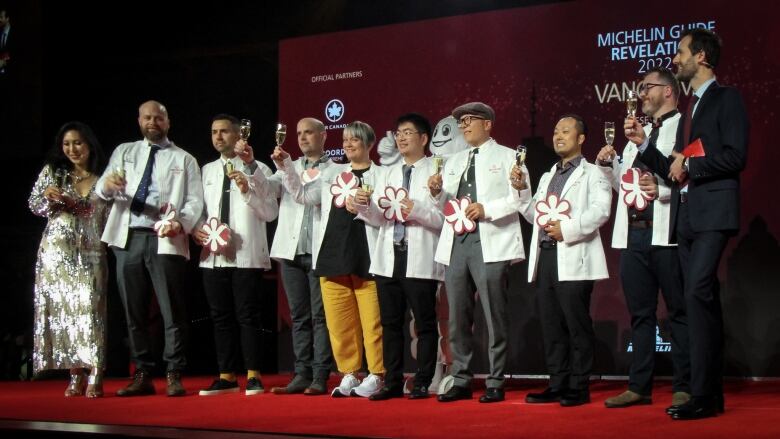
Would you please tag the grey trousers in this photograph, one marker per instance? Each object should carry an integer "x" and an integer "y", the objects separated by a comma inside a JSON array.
[
  {"x": 136, "y": 266},
  {"x": 466, "y": 274},
  {"x": 311, "y": 342}
]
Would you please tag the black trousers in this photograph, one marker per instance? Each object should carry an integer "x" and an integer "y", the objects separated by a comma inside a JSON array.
[
  {"x": 420, "y": 294},
  {"x": 643, "y": 269},
  {"x": 700, "y": 254},
  {"x": 567, "y": 328},
  {"x": 140, "y": 270},
  {"x": 234, "y": 302}
]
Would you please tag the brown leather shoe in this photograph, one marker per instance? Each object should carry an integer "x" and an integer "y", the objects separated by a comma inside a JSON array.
[
  {"x": 175, "y": 388},
  {"x": 141, "y": 385},
  {"x": 627, "y": 399}
]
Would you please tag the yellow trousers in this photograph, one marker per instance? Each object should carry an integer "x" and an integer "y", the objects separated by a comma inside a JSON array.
[{"x": 352, "y": 315}]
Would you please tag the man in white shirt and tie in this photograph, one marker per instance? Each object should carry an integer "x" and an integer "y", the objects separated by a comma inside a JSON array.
[
  {"x": 157, "y": 200},
  {"x": 478, "y": 259},
  {"x": 402, "y": 261},
  {"x": 236, "y": 192}
]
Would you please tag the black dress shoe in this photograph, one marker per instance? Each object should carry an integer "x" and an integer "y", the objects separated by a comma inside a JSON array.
[
  {"x": 387, "y": 393},
  {"x": 455, "y": 393},
  {"x": 492, "y": 394},
  {"x": 694, "y": 409},
  {"x": 419, "y": 392},
  {"x": 549, "y": 395},
  {"x": 718, "y": 403},
  {"x": 574, "y": 397}
]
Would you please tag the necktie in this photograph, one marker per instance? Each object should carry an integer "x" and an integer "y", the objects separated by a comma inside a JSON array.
[
  {"x": 399, "y": 230},
  {"x": 139, "y": 199},
  {"x": 224, "y": 210},
  {"x": 688, "y": 122}
]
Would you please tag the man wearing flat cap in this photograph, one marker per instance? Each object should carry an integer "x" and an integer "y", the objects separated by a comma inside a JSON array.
[{"x": 480, "y": 239}]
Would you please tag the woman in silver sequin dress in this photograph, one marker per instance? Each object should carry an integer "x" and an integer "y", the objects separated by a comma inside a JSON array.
[{"x": 71, "y": 271}]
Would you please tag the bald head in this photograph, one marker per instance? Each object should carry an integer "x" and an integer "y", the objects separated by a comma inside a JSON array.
[
  {"x": 153, "y": 121},
  {"x": 311, "y": 137}
]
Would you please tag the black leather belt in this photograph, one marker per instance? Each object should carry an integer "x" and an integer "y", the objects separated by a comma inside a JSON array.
[
  {"x": 640, "y": 224},
  {"x": 548, "y": 244},
  {"x": 400, "y": 246},
  {"x": 683, "y": 197},
  {"x": 142, "y": 229}
]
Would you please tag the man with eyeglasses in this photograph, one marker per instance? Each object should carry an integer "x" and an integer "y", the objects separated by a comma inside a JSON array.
[
  {"x": 648, "y": 257},
  {"x": 402, "y": 260},
  {"x": 475, "y": 182},
  {"x": 709, "y": 154}
]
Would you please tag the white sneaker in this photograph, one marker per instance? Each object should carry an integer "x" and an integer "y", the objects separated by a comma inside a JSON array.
[
  {"x": 369, "y": 386},
  {"x": 348, "y": 382}
]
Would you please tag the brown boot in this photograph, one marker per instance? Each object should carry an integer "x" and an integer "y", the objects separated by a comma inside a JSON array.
[
  {"x": 175, "y": 388},
  {"x": 141, "y": 385}
]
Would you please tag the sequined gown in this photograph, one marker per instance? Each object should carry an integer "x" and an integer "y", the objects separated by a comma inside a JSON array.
[{"x": 70, "y": 281}]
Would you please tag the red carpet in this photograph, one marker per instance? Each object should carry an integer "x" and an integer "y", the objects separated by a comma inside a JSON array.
[{"x": 752, "y": 411}]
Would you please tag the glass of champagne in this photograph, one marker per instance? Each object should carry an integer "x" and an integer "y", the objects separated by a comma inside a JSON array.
[
  {"x": 229, "y": 168},
  {"x": 438, "y": 163},
  {"x": 60, "y": 178},
  {"x": 609, "y": 132},
  {"x": 245, "y": 129},
  {"x": 281, "y": 133},
  {"x": 631, "y": 103},
  {"x": 367, "y": 185},
  {"x": 520, "y": 153}
]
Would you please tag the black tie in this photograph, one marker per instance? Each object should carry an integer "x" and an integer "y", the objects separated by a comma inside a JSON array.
[
  {"x": 224, "y": 211},
  {"x": 139, "y": 199}
]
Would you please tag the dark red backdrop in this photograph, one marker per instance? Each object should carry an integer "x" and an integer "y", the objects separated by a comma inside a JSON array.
[{"x": 571, "y": 57}]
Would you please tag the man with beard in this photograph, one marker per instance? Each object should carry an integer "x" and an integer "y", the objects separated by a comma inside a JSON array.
[
  {"x": 292, "y": 247},
  {"x": 144, "y": 179},
  {"x": 235, "y": 190},
  {"x": 648, "y": 260},
  {"x": 709, "y": 154}
]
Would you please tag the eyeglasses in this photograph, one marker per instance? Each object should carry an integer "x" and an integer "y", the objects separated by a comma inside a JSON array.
[
  {"x": 466, "y": 120},
  {"x": 645, "y": 88},
  {"x": 404, "y": 133}
]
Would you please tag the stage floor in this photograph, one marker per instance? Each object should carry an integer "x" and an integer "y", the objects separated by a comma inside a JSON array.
[{"x": 29, "y": 408}]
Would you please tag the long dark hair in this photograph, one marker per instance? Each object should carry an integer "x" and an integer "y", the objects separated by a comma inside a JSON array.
[{"x": 56, "y": 157}]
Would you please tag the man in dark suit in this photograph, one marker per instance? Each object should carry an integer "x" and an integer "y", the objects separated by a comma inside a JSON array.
[{"x": 705, "y": 205}]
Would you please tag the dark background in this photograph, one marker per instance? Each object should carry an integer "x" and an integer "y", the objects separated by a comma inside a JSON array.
[{"x": 97, "y": 62}]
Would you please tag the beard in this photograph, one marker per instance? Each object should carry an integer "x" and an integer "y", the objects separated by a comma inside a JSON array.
[
  {"x": 685, "y": 72},
  {"x": 155, "y": 135}
]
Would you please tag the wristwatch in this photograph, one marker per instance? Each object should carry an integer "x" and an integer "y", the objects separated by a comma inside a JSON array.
[{"x": 685, "y": 165}]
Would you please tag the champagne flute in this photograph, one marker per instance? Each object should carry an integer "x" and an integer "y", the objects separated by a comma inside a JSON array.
[
  {"x": 281, "y": 133},
  {"x": 367, "y": 184},
  {"x": 520, "y": 153},
  {"x": 631, "y": 103},
  {"x": 245, "y": 129},
  {"x": 229, "y": 168},
  {"x": 438, "y": 163},
  {"x": 609, "y": 132},
  {"x": 60, "y": 178}
]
